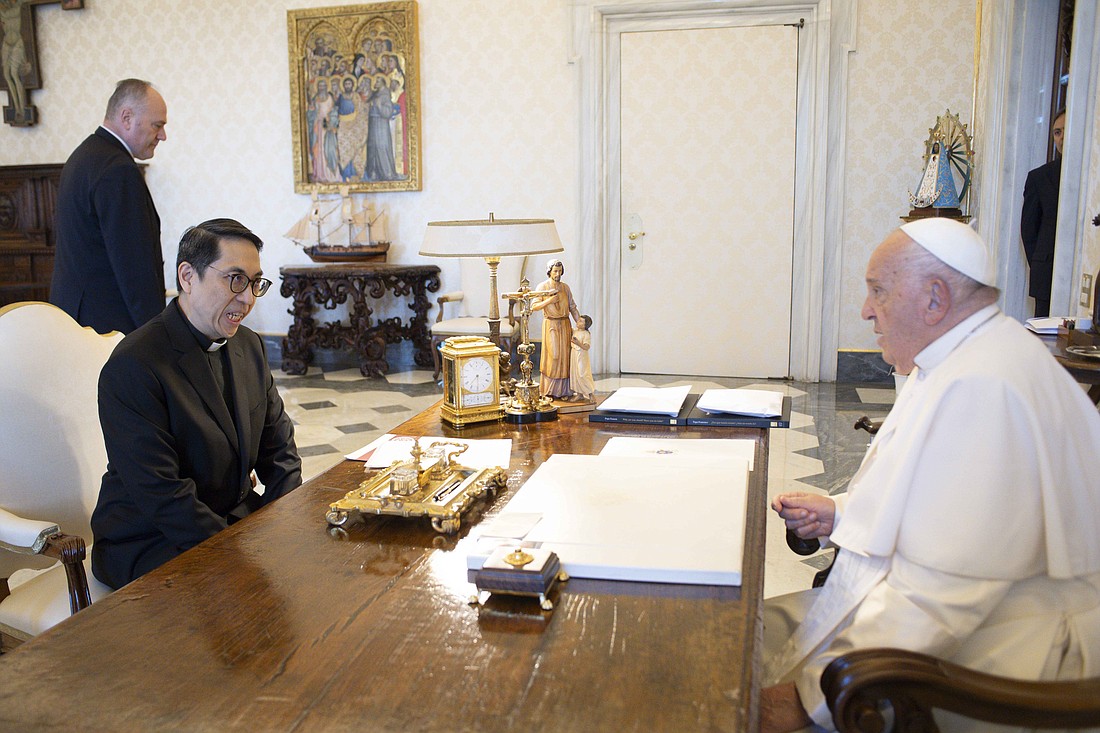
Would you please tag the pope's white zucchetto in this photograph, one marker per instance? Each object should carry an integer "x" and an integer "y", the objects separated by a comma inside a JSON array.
[{"x": 955, "y": 244}]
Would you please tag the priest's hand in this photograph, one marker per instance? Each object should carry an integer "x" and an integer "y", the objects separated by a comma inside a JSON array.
[
  {"x": 781, "y": 709},
  {"x": 807, "y": 515}
]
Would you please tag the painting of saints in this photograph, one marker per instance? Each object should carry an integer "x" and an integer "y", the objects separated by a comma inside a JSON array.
[
  {"x": 399, "y": 128},
  {"x": 380, "y": 165},
  {"x": 352, "y": 138},
  {"x": 355, "y": 98},
  {"x": 323, "y": 105}
]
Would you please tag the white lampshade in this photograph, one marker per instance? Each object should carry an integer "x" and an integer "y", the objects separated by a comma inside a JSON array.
[{"x": 490, "y": 238}]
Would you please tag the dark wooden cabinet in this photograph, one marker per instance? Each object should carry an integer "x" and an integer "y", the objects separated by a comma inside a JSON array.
[{"x": 28, "y": 199}]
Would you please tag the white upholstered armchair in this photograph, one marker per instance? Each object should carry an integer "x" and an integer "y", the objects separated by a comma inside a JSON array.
[
  {"x": 51, "y": 461},
  {"x": 468, "y": 316}
]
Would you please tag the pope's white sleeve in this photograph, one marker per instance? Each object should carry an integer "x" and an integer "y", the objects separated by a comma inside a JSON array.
[{"x": 913, "y": 608}]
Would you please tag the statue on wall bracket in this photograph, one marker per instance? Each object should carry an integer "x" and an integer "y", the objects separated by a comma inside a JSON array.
[
  {"x": 948, "y": 167},
  {"x": 19, "y": 57}
]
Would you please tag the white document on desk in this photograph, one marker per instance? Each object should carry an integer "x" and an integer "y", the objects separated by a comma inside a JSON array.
[
  {"x": 755, "y": 402},
  {"x": 662, "y": 519},
  {"x": 733, "y": 448},
  {"x": 1046, "y": 325},
  {"x": 389, "y": 448},
  {"x": 649, "y": 400}
]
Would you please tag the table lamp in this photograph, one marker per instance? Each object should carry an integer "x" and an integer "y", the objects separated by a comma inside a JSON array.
[{"x": 491, "y": 239}]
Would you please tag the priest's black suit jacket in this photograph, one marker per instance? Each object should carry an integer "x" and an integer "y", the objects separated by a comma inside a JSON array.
[
  {"x": 1038, "y": 225},
  {"x": 108, "y": 266},
  {"x": 179, "y": 465}
]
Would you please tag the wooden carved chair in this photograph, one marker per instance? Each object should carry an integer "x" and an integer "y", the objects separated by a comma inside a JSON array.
[
  {"x": 51, "y": 462},
  {"x": 472, "y": 304},
  {"x": 858, "y": 683}
]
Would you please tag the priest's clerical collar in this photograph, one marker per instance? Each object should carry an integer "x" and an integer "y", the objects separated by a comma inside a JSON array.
[{"x": 204, "y": 341}]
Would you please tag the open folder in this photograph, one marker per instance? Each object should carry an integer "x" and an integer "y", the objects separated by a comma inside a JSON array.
[{"x": 646, "y": 406}]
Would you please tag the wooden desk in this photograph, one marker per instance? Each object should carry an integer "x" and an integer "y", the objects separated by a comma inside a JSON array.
[
  {"x": 278, "y": 624},
  {"x": 312, "y": 286},
  {"x": 1085, "y": 371}
]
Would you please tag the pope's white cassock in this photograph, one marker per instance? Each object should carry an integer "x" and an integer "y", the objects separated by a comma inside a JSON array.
[{"x": 972, "y": 529}]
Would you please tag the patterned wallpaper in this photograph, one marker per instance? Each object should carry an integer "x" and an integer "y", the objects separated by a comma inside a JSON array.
[
  {"x": 912, "y": 61},
  {"x": 500, "y": 111},
  {"x": 499, "y": 115}
]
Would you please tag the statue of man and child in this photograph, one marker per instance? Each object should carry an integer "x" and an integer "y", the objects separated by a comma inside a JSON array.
[{"x": 565, "y": 367}]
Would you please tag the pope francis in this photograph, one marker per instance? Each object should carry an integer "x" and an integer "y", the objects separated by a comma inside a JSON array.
[{"x": 971, "y": 531}]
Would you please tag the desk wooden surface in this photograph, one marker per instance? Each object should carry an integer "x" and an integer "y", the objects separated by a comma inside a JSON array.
[
  {"x": 278, "y": 624},
  {"x": 1082, "y": 369}
]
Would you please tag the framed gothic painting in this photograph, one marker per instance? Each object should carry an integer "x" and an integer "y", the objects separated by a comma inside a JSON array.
[{"x": 355, "y": 98}]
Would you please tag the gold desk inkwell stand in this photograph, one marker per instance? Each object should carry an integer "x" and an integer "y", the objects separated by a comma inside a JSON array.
[{"x": 429, "y": 484}]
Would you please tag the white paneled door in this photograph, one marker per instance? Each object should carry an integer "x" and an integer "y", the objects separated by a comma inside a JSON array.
[{"x": 707, "y": 150}]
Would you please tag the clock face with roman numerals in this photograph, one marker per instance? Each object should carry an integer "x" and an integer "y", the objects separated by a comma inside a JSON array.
[
  {"x": 470, "y": 381},
  {"x": 477, "y": 375}
]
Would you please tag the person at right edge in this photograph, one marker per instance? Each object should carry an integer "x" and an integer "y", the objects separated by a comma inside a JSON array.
[{"x": 1039, "y": 220}]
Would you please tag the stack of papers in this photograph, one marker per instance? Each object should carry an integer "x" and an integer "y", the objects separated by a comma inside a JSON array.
[
  {"x": 647, "y": 400},
  {"x": 389, "y": 448},
  {"x": 1045, "y": 325},
  {"x": 730, "y": 448},
  {"x": 755, "y": 402},
  {"x": 624, "y": 517}
]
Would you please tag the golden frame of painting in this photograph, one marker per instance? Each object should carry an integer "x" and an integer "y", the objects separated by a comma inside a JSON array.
[{"x": 355, "y": 98}]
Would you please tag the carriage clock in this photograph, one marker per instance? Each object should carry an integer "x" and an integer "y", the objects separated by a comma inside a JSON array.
[{"x": 471, "y": 380}]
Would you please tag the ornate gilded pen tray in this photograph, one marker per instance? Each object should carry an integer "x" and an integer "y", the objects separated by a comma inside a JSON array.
[{"x": 430, "y": 484}]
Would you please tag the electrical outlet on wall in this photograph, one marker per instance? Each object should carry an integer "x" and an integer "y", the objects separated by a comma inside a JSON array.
[{"x": 1086, "y": 289}]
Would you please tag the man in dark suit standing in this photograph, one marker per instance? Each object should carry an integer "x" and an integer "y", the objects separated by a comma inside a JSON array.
[
  {"x": 189, "y": 410},
  {"x": 108, "y": 268},
  {"x": 1038, "y": 222}
]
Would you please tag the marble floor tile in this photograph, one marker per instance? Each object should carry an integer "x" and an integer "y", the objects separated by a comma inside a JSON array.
[
  {"x": 876, "y": 395},
  {"x": 418, "y": 376},
  {"x": 344, "y": 375}
]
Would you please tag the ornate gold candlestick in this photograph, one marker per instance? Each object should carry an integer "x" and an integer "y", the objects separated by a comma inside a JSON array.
[{"x": 526, "y": 405}]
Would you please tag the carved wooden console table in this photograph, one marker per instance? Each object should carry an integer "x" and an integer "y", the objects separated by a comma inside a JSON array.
[{"x": 356, "y": 284}]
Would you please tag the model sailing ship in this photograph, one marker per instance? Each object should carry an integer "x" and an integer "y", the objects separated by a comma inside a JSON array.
[{"x": 336, "y": 231}]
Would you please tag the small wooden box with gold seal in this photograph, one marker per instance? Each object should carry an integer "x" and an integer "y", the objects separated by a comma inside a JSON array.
[
  {"x": 471, "y": 380},
  {"x": 521, "y": 571}
]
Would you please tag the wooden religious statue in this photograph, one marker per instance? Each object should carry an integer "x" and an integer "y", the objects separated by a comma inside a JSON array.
[{"x": 19, "y": 57}]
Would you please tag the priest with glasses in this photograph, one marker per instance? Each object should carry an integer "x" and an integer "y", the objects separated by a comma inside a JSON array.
[{"x": 190, "y": 414}]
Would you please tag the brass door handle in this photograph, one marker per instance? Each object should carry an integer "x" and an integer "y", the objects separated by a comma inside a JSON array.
[{"x": 634, "y": 235}]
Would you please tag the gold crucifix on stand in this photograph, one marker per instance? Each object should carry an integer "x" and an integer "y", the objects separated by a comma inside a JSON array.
[
  {"x": 526, "y": 405},
  {"x": 19, "y": 57}
]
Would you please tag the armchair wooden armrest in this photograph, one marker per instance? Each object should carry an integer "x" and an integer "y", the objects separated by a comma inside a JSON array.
[
  {"x": 856, "y": 683},
  {"x": 452, "y": 297},
  {"x": 32, "y": 537},
  {"x": 866, "y": 423},
  {"x": 808, "y": 547}
]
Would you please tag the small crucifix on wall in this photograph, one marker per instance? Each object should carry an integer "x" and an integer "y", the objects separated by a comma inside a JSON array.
[{"x": 19, "y": 57}]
